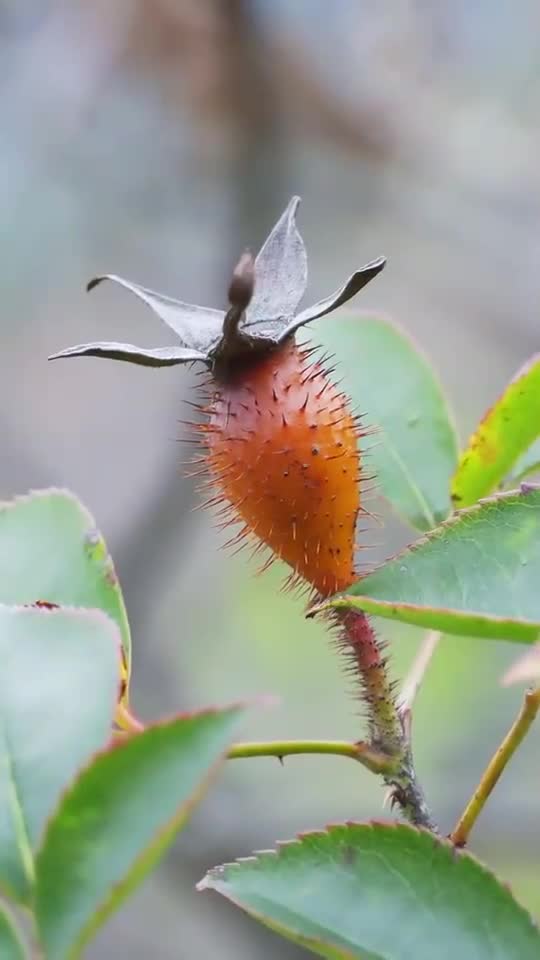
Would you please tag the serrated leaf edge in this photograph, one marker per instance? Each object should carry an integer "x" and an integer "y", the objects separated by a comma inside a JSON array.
[
  {"x": 107, "y": 906},
  {"x": 382, "y": 826},
  {"x": 120, "y": 742},
  {"x": 88, "y": 613},
  {"x": 457, "y": 517},
  {"x": 90, "y": 522},
  {"x": 42, "y": 493}
]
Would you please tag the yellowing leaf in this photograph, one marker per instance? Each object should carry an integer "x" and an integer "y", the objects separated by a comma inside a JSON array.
[{"x": 507, "y": 430}]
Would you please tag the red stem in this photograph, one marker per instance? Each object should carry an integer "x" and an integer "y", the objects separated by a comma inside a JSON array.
[{"x": 365, "y": 654}]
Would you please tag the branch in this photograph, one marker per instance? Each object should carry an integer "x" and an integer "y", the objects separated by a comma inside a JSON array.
[
  {"x": 414, "y": 678},
  {"x": 388, "y": 754},
  {"x": 373, "y": 760},
  {"x": 496, "y": 766},
  {"x": 362, "y": 752}
]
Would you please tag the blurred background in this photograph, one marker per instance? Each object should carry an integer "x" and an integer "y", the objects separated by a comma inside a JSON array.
[{"x": 156, "y": 139}]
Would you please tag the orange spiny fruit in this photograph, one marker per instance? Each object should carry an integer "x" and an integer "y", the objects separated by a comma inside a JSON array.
[
  {"x": 282, "y": 450},
  {"x": 280, "y": 440}
]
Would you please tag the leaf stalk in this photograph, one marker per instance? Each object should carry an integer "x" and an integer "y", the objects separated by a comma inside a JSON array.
[
  {"x": 361, "y": 752},
  {"x": 515, "y": 736}
]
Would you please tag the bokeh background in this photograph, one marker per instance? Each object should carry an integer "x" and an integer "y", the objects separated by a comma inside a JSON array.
[{"x": 156, "y": 139}]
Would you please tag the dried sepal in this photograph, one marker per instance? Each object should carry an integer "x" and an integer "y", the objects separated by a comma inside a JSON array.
[
  {"x": 264, "y": 296},
  {"x": 281, "y": 271},
  {"x": 354, "y": 284},
  {"x": 156, "y": 357},
  {"x": 198, "y": 328}
]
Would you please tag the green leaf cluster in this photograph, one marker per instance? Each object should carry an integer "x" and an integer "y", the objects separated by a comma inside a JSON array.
[{"x": 85, "y": 812}]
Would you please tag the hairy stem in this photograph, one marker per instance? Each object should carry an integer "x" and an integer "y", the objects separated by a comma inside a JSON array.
[
  {"x": 514, "y": 737},
  {"x": 363, "y": 651},
  {"x": 388, "y": 727}
]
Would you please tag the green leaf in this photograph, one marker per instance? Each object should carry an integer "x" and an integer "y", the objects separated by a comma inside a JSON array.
[
  {"x": 476, "y": 574},
  {"x": 11, "y": 946},
  {"x": 116, "y": 821},
  {"x": 380, "y": 892},
  {"x": 506, "y": 431},
  {"x": 51, "y": 550},
  {"x": 414, "y": 450},
  {"x": 58, "y": 687}
]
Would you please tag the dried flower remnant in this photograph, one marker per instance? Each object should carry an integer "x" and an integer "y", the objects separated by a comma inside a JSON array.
[{"x": 279, "y": 441}]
